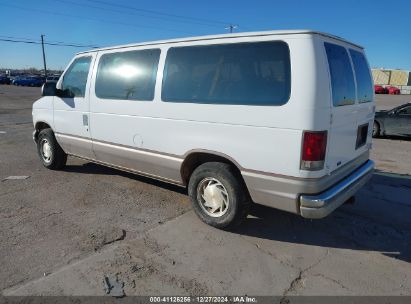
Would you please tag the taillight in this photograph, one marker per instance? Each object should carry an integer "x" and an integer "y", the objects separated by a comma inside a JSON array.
[{"x": 313, "y": 150}]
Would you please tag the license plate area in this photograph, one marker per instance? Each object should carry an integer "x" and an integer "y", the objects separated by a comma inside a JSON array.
[{"x": 362, "y": 133}]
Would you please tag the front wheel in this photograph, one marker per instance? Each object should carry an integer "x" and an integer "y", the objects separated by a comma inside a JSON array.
[
  {"x": 51, "y": 154},
  {"x": 218, "y": 195}
]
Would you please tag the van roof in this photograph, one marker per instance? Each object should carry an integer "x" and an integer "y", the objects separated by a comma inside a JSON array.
[{"x": 222, "y": 36}]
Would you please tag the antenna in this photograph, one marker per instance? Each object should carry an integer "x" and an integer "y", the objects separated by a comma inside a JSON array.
[{"x": 231, "y": 27}]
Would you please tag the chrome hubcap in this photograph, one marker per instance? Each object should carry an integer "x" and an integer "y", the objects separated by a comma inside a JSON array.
[
  {"x": 213, "y": 197},
  {"x": 46, "y": 150}
]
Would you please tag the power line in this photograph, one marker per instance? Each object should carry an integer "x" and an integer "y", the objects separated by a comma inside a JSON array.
[
  {"x": 49, "y": 43},
  {"x": 159, "y": 13},
  {"x": 12, "y": 37},
  {"x": 136, "y": 12},
  {"x": 93, "y": 19}
]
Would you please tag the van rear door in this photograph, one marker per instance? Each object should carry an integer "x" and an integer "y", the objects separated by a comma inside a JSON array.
[{"x": 352, "y": 109}]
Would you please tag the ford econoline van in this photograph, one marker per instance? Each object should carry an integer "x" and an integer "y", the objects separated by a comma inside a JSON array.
[{"x": 278, "y": 118}]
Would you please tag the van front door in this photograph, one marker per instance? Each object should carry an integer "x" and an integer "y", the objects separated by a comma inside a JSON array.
[{"x": 72, "y": 109}]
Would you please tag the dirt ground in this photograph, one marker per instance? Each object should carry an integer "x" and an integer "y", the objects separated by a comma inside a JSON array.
[{"x": 67, "y": 232}]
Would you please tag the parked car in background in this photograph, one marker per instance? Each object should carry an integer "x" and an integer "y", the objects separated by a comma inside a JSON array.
[
  {"x": 379, "y": 89},
  {"x": 393, "y": 122},
  {"x": 52, "y": 78},
  {"x": 4, "y": 79},
  {"x": 393, "y": 90},
  {"x": 32, "y": 81},
  {"x": 15, "y": 78}
]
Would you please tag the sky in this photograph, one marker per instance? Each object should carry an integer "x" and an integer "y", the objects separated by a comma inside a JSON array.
[{"x": 382, "y": 27}]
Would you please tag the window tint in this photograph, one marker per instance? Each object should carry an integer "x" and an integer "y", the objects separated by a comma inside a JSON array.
[
  {"x": 127, "y": 75},
  {"x": 241, "y": 73},
  {"x": 365, "y": 90},
  {"x": 75, "y": 79},
  {"x": 342, "y": 78},
  {"x": 405, "y": 111}
]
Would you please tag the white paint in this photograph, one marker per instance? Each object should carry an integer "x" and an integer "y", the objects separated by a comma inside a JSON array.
[
  {"x": 262, "y": 138},
  {"x": 16, "y": 177}
]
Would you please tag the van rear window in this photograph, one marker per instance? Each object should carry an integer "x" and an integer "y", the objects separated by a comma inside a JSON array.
[
  {"x": 241, "y": 73},
  {"x": 365, "y": 90},
  {"x": 342, "y": 78}
]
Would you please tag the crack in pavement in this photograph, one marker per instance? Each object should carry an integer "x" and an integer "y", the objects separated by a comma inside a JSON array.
[
  {"x": 297, "y": 281},
  {"x": 267, "y": 252},
  {"x": 331, "y": 279},
  {"x": 105, "y": 246}
]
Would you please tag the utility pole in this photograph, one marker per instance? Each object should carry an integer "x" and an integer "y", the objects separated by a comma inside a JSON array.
[
  {"x": 44, "y": 55},
  {"x": 231, "y": 27}
]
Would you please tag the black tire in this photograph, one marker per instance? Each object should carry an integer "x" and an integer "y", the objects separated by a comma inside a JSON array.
[
  {"x": 228, "y": 182},
  {"x": 54, "y": 157},
  {"x": 376, "y": 130}
]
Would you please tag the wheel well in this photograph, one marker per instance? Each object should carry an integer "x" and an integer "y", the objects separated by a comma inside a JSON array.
[
  {"x": 193, "y": 160},
  {"x": 41, "y": 126}
]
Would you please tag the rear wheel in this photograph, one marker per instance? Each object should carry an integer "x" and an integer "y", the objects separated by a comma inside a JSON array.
[
  {"x": 51, "y": 154},
  {"x": 376, "y": 129},
  {"x": 218, "y": 195}
]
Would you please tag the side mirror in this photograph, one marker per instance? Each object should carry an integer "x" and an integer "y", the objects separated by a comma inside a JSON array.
[{"x": 49, "y": 89}]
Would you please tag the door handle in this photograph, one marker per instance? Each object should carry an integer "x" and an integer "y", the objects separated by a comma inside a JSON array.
[{"x": 85, "y": 120}]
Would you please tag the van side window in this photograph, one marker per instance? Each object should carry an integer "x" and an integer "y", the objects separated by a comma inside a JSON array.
[
  {"x": 365, "y": 91},
  {"x": 75, "y": 79},
  {"x": 240, "y": 73},
  {"x": 127, "y": 75},
  {"x": 342, "y": 78}
]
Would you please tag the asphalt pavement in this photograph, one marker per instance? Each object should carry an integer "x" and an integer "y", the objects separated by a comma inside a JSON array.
[{"x": 67, "y": 232}]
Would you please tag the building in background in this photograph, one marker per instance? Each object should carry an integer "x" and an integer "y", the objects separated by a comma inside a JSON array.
[{"x": 397, "y": 78}]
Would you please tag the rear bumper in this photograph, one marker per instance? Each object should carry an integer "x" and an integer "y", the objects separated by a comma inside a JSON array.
[
  {"x": 284, "y": 192},
  {"x": 320, "y": 205}
]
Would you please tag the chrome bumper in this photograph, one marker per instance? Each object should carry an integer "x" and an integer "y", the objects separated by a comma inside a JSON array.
[{"x": 320, "y": 205}]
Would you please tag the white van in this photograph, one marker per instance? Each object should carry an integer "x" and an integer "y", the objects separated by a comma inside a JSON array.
[{"x": 279, "y": 118}]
